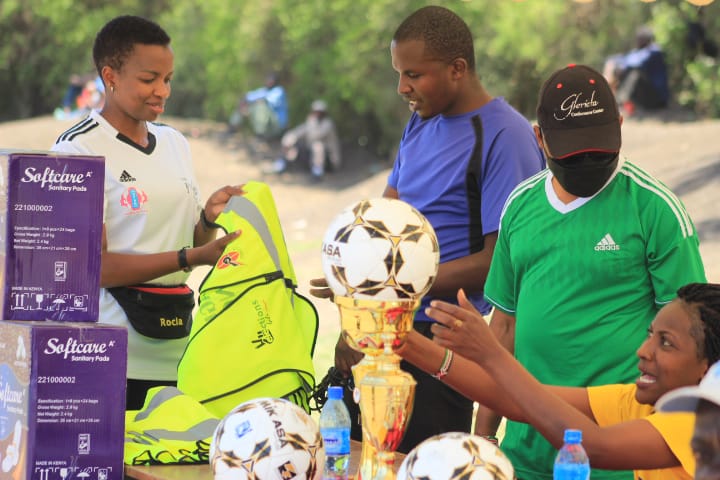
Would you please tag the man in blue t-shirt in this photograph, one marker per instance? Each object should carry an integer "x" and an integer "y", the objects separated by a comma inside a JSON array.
[{"x": 460, "y": 156}]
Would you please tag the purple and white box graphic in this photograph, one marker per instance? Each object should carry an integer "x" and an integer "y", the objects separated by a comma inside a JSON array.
[
  {"x": 50, "y": 235},
  {"x": 62, "y": 400}
]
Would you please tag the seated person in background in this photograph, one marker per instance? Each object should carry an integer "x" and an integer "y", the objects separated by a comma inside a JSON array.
[
  {"x": 92, "y": 96},
  {"x": 621, "y": 429},
  {"x": 84, "y": 93},
  {"x": 639, "y": 77},
  {"x": 265, "y": 108},
  {"x": 704, "y": 401},
  {"x": 315, "y": 139},
  {"x": 75, "y": 86}
]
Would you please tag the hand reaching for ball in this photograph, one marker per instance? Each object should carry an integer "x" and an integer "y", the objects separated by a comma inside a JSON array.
[{"x": 321, "y": 290}]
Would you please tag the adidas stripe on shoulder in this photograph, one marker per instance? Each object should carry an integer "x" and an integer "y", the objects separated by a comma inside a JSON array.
[
  {"x": 83, "y": 126},
  {"x": 644, "y": 180},
  {"x": 524, "y": 186}
]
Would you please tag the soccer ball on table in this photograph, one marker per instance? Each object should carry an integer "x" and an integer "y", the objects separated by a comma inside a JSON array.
[
  {"x": 382, "y": 249},
  {"x": 456, "y": 456},
  {"x": 267, "y": 439}
]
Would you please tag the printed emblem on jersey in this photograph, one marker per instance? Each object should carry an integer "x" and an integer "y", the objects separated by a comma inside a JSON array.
[
  {"x": 133, "y": 199},
  {"x": 188, "y": 185},
  {"x": 126, "y": 177},
  {"x": 606, "y": 243},
  {"x": 228, "y": 260}
]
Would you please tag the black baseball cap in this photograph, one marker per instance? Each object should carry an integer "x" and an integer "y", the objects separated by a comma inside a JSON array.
[{"x": 577, "y": 112}]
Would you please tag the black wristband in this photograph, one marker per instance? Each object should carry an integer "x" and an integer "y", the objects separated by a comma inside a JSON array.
[
  {"x": 207, "y": 224},
  {"x": 183, "y": 261}
]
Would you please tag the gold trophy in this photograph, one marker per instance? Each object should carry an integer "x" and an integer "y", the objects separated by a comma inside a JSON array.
[
  {"x": 380, "y": 256},
  {"x": 385, "y": 392}
]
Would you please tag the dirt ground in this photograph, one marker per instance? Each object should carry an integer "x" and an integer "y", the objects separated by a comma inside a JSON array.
[{"x": 684, "y": 154}]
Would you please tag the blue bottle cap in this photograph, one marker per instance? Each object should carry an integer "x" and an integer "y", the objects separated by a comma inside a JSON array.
[
  {"x": 572, "y": 436},
  {"x": 335, "y": 393}
]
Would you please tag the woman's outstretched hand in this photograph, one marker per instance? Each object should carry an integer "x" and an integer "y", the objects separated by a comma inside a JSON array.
[{"x": 462, "y": 329}]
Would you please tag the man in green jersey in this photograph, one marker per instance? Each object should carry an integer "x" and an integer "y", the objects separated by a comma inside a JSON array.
[{"x": 589, "y": 250}]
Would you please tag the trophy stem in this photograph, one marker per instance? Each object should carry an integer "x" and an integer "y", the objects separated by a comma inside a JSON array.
[
  {"x": 367, "y": 466},
  {"x": 385, "y": 463},
  {"x": 386, "y": 401},
  {"x": 384, "y": 393}
]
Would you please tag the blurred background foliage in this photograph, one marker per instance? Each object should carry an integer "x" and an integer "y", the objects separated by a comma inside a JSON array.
[{"x": 339, "y": 50}]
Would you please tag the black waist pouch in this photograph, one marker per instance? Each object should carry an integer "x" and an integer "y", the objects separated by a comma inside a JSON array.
[{"x": 157, "y": 311}]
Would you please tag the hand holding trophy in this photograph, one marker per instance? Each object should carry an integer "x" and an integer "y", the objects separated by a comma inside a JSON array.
[{"x": 380, "y": 256}]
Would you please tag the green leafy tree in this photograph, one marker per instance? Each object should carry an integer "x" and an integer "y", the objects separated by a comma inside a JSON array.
[
  {"x": 339, "y": 50},
  {"x": 693, "y": 60}
]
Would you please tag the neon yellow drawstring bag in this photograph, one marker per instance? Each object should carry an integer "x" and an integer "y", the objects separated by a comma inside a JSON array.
[{"x": 253, "y": 334}]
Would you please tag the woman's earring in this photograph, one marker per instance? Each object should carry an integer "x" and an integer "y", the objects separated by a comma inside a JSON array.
[{"x": 112, "y": 88}]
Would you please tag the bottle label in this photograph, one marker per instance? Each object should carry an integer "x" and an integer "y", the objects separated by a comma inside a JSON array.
[
  {"x": 337, "y": 440},
  {"x": 571, "y": 471}
]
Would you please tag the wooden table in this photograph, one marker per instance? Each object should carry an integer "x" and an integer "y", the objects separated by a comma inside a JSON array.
[{"x": 203, "y": 472}]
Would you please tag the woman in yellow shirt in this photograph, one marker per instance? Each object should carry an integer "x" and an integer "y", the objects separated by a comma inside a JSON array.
[{"x": 621, "y": 430}]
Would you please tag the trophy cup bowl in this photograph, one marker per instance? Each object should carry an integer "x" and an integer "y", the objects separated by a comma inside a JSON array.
[
  {"x": 384, "y": 392},
  {"x": 373, "y": 327}
]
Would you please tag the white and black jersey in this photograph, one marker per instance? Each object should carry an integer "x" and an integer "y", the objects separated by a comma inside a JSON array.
[{"x": 151, "y": 205}]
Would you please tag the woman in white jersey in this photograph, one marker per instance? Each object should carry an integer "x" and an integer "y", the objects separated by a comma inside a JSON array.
[
  {"x": 155, "y": 228},
  {"x": 621, "y": 429}
]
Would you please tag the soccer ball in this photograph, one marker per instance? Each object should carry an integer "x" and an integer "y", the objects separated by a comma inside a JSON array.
[
  {"x": 267, "y": 439},
  {"x": 456, "y": 456},
  {"x": 382, "y": 249}
]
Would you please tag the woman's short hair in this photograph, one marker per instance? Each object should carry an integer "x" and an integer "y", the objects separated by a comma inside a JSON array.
[{"x": 116, "y": 40}]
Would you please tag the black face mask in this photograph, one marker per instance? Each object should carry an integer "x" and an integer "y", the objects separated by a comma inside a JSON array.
[{"x": 583, "y": 175}]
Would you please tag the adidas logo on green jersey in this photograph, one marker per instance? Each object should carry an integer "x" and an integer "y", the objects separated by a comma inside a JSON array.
[{"x": 607, "y": 243}]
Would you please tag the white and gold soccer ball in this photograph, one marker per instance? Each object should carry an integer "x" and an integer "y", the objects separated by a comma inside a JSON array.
[
  {"x": 381, "y": 249},
  {"x": 456, "y": 456},
  {"x": 267, "y": 439}
]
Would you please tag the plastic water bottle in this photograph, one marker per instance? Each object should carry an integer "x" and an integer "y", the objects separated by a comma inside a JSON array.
[
  {"x": 335, "y": 431},
  {"x": 572, "y": 462}
]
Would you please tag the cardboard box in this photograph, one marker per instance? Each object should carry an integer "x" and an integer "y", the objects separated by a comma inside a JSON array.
[
  {"x": 62, "y": 400},
  {"x": 50, "y": 236}
]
